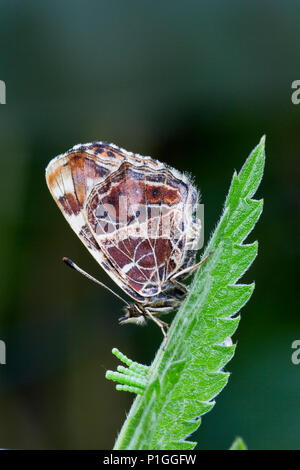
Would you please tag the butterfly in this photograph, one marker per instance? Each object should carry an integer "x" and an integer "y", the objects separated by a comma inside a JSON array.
[{"x": 138, "y": 219}]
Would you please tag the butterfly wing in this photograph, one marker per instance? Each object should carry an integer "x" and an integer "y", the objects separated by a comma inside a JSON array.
[
  {"x": 133, "y": 213},
  {"x": 142, "y": 220}
]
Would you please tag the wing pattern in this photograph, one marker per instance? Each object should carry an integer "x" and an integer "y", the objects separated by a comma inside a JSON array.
[{"x": 134, "y": 214}]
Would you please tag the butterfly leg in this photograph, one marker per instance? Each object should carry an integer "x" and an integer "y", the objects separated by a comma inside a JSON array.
[
  {"x": 184, "y": 289},
  {"x": 191, "y": 269},
  {"x": 161, "y": 325}
]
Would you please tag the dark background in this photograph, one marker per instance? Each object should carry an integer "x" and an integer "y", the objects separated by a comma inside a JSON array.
[{"x": 194, "y": 84}]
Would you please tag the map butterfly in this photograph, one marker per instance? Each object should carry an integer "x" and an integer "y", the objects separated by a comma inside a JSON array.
[{"x": 136, "y": 216}]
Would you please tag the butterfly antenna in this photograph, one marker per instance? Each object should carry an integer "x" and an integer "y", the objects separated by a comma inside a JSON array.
[{"x": 72, "y": 265}]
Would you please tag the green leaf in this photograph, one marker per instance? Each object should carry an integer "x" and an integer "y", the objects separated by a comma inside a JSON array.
[
  {"x": 238, "y": 444},
  {"x": 183, "y": 380}
]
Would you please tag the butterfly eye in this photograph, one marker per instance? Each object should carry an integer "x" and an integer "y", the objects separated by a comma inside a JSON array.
[{"x": 138, "y": 213}]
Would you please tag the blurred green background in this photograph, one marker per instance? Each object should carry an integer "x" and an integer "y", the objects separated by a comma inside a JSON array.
[{"x": 194, "y": 84}]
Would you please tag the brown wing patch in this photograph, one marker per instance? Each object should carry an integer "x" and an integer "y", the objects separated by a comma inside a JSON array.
[
  {"x": 70, "y": 204},
  {"x": 71, "y": 178},
  {"x": 111, "y": 151},
  {"x": 106, "y": 150},
  {"x": 143, "y": 265}
]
